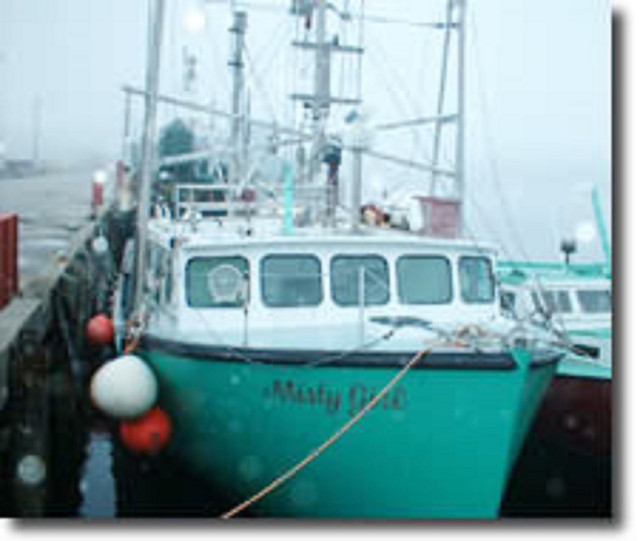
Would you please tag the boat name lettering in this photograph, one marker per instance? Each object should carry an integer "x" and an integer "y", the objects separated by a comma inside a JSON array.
[{"x": 332, "y": 399}]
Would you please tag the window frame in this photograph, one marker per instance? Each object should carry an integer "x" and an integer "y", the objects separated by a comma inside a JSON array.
[
  {"x": 354, "y": 257},
  {"x": 405, "y": 257},
  {"x": 557, "y": 295},
  {"x": 288, "y": 255},
  {"x": 218, "y": 306},
  {"x": 492, "y": 277},
  {"x": 604, "y": 290},
  {"x": 510, "y": 306}
]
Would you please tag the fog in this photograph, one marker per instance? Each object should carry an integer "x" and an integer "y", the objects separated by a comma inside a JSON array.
[{"x": 538, "y": 95}]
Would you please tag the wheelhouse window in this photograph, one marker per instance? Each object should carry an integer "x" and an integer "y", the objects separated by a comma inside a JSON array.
[
  {"x": 424, "y": 280},
  {"x": 353, "y": 277},
  {"x": 537, "y": 303},
  {"x": 291, "y": 281},
  {"x": 594, "y": 301},
  {"x": 508, "y": 301},
  {"x": 477, "y": 284},
  {"x": 217, "y": 282},
  {"x": 557, "y": 302}
]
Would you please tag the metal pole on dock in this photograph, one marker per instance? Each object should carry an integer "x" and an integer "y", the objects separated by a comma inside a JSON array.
[
  {"x": 126, "y": 134},
  {"x": 156, "y": 12},
  {"x": 37, "y": 129}
]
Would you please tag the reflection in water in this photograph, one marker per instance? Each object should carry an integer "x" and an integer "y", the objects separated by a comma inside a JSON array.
[{"x": 97, "y": 485}]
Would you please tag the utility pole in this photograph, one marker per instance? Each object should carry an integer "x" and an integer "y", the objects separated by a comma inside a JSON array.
[{"x": 37, "y": 129}]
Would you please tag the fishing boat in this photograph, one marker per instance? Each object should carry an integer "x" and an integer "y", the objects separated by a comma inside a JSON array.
[
  {"x": 354, "y": 369},
  {"x": 565, "y": 467},
  {"x": 573, "y": 300}
]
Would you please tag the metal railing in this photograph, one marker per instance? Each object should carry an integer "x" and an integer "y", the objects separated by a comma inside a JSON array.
[{"x": 223, "y": 200}]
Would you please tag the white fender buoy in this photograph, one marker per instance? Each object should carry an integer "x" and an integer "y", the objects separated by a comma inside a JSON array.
[
  {"x": 125, "y": 388},
  {"x": 100, "y": 245}
]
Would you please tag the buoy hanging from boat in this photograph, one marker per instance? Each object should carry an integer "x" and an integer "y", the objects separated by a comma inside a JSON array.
[
  {"x": 149, "y": 434},
  {"x": 100, "y": 245},
  {"x": 100, "y": 330},
  {"x": 125, "y": 388}
]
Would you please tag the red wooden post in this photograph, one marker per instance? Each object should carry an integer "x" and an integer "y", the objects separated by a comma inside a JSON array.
[{"x": 8, "y": 257}]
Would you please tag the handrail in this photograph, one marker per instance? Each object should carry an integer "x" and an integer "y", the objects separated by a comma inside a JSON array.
[{"x": 268, "y": 199}]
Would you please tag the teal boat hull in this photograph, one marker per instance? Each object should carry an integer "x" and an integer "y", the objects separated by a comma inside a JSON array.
[{"x": 440, "y": 445}]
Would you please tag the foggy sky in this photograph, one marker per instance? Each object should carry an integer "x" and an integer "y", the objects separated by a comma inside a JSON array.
[{"x": 538, "y": 96}]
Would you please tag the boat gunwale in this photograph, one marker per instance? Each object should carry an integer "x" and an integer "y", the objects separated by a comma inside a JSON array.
[{"x": 438, "y": 360}]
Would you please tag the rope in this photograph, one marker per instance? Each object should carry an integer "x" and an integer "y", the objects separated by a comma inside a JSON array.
[
  {"x": 333, "y": 439},
  {"x": 134, "y": 335}
]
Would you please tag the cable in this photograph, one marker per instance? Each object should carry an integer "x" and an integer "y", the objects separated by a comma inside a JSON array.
[{"x": 292, "y": 472}]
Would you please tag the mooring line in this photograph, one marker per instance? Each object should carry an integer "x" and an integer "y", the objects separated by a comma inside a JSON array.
[{"x": 333, "y": 439}]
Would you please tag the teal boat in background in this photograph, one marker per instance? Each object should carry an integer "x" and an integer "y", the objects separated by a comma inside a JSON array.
[{"x": 575, "y": 302}]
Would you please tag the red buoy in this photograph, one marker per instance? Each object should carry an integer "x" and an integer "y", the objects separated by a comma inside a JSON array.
[
  {"x": 100, "y": 330},
  {"x": 149, "y": 434}
]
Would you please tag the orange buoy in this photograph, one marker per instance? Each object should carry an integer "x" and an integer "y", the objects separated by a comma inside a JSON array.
[
  {"x": 100, "y": 330},
  {"x": 149, "y": 434}
]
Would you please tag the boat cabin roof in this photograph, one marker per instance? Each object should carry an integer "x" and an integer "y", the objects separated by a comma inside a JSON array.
[{"x": 210, "y": 235}]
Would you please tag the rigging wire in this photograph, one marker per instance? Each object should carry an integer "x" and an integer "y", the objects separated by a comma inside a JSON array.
[
  {"x": 420, "y": 150},
  {"x": 280, "y": 35},
  {"x": 262, "y": 90},
  {"x": 398, "y": 96},
  {"x": 495, "y": 173},
  {"x": 491, "y": 150}
]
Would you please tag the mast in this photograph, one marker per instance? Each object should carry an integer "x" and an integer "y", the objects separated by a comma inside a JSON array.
[
  {"x": 156, "y": 14},
  {"x": 356, "y": 181},
  {"x": 459, "y": 24},
  {"x": 237, "y": 31},
  {"x": 460, "y": 146},
  {"x": 435, "y": 159},
  {"x": 320, "y": 100},
  {"x": 321, "y": 89}
]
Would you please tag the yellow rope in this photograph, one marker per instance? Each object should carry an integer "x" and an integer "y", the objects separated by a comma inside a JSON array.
[{"x": 315, "y": 454}]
